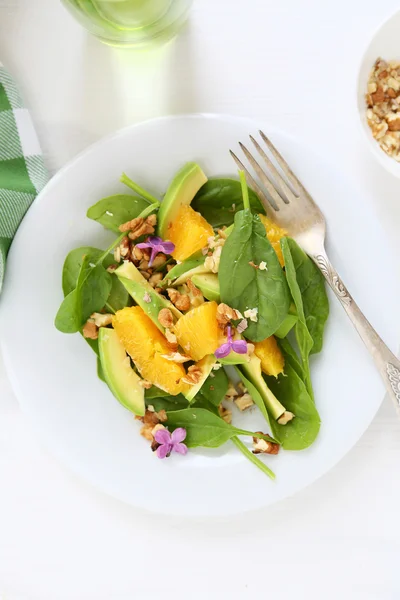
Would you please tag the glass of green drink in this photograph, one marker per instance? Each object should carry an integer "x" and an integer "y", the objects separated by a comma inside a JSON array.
[{"x": 130, "y": 23}]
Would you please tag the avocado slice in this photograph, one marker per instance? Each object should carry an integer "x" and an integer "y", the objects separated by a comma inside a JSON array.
[
  {"x": 118, "y": 373},
  {"x": 200, "y": 270},
  {"x": 208, "y": 284},
  {"x": 143, "y": 294},
  {"x": 205, "y": 364},
  {"x": 193, "y": 261},
  {"x": 252, "y": 370},
  {"x": 181, "y": 191},
  {"x": 234, "y": 358}
]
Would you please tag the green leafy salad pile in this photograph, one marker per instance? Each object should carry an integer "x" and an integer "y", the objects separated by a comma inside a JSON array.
[{"x": 199, "y": 310}]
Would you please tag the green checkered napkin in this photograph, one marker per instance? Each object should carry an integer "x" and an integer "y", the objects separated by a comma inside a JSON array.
[{"x": 22, "y": 172}]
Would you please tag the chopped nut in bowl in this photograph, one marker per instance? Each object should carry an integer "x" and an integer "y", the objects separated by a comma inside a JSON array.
[{"x": 379, "y": 95}]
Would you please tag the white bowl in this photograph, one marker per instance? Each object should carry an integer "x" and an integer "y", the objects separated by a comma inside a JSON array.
[{"x": 384, "y": 44}]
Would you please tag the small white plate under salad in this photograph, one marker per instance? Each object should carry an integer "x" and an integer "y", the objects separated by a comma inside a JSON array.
[{"x": 160, "y": 332}]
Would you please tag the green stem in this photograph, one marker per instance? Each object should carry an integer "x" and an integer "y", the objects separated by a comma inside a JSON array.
[
  {"x": 162, "y": 267},
  {"x": 245, "y": 190},
  {"x": 262, "y": 436},
  {"x": 111, "y": 247},
  {"x": 110, "y": 308},
  {"x": 252, "y": 458},
  {"x": 307, "y": 377},
  {"x": 138, "y": 189},
  {"x": 147, "y": 211}
]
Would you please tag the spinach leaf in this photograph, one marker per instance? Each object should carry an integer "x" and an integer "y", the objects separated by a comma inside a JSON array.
[
  {"x": 67, "y": 317},
  {"x": 166, "y": 402},
  {"x": 215, "y": 387},
  {"x": 112, "y": 211},
  {"x": 203, "y": 428},
  {"x": 219, "y": 199},
  {"x": 155, "y": 392},
  {"x": 313, "y": 292},
  {"x": 290, "y": 354},
  {"x": 243, "y": 286},
  {"x": 302, "y": 431},
  {"x": 303, "y": 336},
  {"x": 202, "y": 402},
  {"x": 119, "y": 297},
  {"x": 90, "y": 295},
  {"x": 73, "y": 264}
]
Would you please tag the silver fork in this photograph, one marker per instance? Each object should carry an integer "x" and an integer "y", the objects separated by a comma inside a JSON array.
[{"x": 295, "y": 210}]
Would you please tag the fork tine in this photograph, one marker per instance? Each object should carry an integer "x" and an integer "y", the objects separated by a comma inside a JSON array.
[
  {"x": 282, "y": 163},
  {"x": 265, "y": 180},
  {"x": 264, "y": 200},
  {"x": 277, "y": 176}
]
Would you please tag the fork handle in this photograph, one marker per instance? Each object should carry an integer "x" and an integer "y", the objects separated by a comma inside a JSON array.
[{"x": 385, "y": 360}]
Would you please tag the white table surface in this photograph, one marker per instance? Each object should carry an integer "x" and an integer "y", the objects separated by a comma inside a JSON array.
[{"x": 290, "y": 62}]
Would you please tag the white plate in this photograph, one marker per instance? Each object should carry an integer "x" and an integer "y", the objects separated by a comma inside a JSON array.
[
  {"x": 384, "y": 44},
  {"x": 54, "y": 375}
]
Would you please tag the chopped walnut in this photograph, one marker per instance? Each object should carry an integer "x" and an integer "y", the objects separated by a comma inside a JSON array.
[
  {"x": 171, "y": 338},
  {"x": 243, "y": 402},
  {"x": 286, "y": 417},
  {"x": 136, "y": 253},
  {"x": 252, "y": 314},
  {"x": 225, "y": 314},
  {"x": 195, "y": 295},
  {"x": 90, "y": 330},
  {"x": 144, "y": 264},
  {"x": 242, "y": 326},
  {"x": 212, "y": 262},
  {"x": 154, "y": 443},
  {"x": 225, "y": 413},
  {"x": 139, "y": 226},
  {"x": 145, "y": 274},
  {"x": 176, "y": 357},
  {"x": 117, "y": 254},
  {"x": 125, "y": 248},
  {"x": 383, "y": 102},
  {"x": 112, "y": 268},
  {"x": 193, "y": 375},
  {"x": 231, "y": 392},
  {"x": 181, "y": 301},
  {"x": 150, "y": 420},
  {"x": 159, "y": 260},
  {"x": 261, "y": 446},
  {"x": 155, "y": 279},
  {"x": 101, "y": 320},
  {"x": 166, "y": 318},
  {"x": 242, "y": 387}
]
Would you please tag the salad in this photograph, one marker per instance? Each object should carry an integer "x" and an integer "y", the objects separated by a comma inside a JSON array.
[{"x": 200, "y": 309}]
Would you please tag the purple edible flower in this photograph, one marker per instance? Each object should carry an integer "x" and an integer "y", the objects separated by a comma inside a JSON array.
[
  {"x": 170, "y": 442},
  {"x": 157, "y": 245},
  {"x": 238, "y": 346}
]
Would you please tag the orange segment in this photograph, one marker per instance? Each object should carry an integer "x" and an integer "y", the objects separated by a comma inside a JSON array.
[
  {"x": 197, "y": 331},
  {"x": 145, "y": 344},
  {"x": 268, "y": 351},
  {"x": 189, "y": 232},
  {"x": 274, "y": 234}
]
